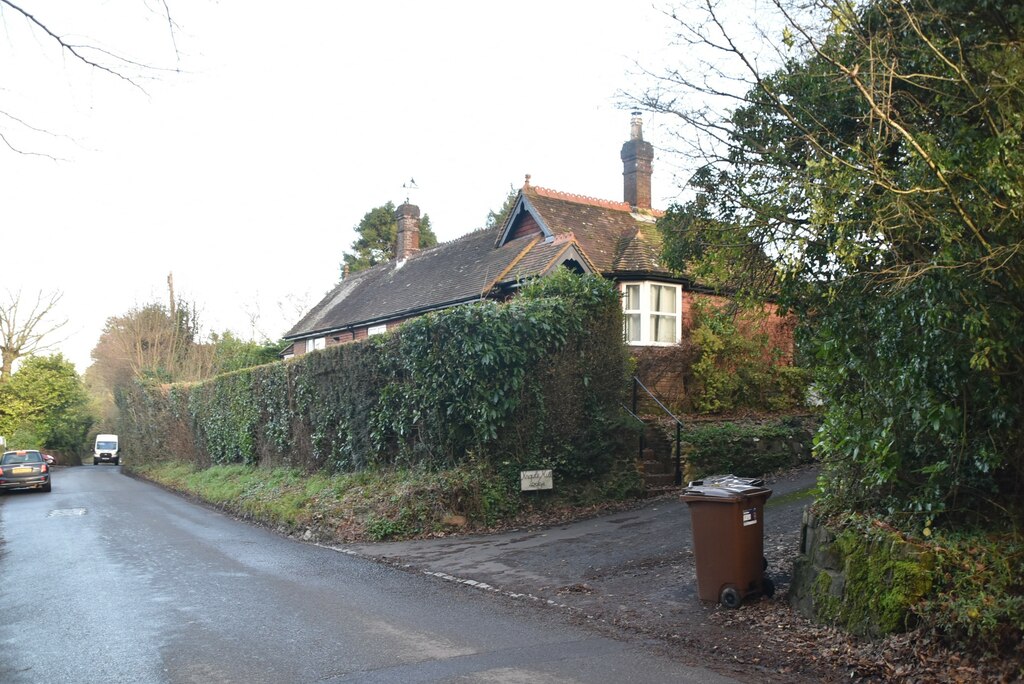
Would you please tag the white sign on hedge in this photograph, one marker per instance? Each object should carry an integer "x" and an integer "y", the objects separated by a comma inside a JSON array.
[{"x": 532, "y": 480}]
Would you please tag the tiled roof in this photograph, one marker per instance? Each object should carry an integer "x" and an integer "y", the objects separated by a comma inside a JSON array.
[
  {"x": 603, "y": 236},
  {"x": 610, "y": 234},
  {"x": 458, "y": 271},
  {"x": 639, "y": 250}
]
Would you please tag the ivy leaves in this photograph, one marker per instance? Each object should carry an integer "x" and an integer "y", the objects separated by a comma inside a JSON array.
[{"x": 472, "y": 382}]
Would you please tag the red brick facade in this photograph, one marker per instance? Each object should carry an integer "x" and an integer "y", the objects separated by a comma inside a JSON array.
[{"x": 663, "y": 369}]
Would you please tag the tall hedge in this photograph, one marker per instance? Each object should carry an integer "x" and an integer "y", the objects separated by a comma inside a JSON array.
[{"x": 534, "y": 382}]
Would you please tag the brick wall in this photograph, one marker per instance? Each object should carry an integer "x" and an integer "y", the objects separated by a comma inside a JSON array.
[{"x": 663, "y": 369}]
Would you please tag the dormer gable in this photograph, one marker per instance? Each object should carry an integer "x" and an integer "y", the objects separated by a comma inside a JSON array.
[{"x": 524, "y": 220}]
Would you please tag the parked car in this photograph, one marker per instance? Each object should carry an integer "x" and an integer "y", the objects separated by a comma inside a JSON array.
[
  {"x": 24, "y": 470},
  {"x": 49, "y": 459}
]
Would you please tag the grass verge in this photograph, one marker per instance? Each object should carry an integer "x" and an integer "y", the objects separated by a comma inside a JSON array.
[{"x": 376, "y": 505}]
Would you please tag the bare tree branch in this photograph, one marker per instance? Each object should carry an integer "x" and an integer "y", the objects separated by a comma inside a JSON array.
[
  {"x": 106, "y": 61},
  {"x": 24, "y": 333},
  {"x": 76, "y": 51},
  {"x": 29, "y": 126}
]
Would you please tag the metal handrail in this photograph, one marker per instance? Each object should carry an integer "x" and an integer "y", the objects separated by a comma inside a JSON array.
[
  {"x": 657, "y": 401},
  {"x": 679, "y": 426},
  {"x": 635, "y": 417}
]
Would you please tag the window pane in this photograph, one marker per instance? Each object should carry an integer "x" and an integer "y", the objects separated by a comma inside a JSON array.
[
  {"x": 632, "y": 327},
  {"x": 668, "y": 300},
  {"x": 631, "y": 300},
  {"x": 663, "y": 298},
  {"x": 663, "y": 329}
]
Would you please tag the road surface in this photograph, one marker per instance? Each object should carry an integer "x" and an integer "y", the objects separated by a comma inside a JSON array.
[{"x": 108, "y": 579}]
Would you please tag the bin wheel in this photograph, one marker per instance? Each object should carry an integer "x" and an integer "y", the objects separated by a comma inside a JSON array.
[
  {"x": 764, "y": 563},
  {"x": 730, "y": 598},
  {"x": 767, "y": 587}
]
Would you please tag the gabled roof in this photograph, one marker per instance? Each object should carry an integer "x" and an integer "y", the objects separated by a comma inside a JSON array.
[
  {"x": 612, "y": 235},
  {"x": 464, "y": 270},
  {"x": 545, "y": 229}
]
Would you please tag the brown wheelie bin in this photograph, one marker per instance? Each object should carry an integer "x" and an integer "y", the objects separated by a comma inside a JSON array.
[{"x": 727, "y": 515}]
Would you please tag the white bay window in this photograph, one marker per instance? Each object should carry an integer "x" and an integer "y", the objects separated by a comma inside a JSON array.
[{"x": 652, "y": 313}]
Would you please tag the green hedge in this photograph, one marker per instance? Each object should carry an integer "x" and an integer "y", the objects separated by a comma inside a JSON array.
[
  {"x": 536, "y": 382},
  {"x": 749, "y": 448}
]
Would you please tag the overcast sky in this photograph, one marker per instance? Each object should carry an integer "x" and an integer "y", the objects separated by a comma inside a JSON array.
[{"x": 244, "y": 168}]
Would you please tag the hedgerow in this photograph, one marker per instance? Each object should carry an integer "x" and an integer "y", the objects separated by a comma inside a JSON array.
[{"x": 535, "y": 382}]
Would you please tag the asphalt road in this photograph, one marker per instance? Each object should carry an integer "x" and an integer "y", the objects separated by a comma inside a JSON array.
[{"x": 108, "y": 579}]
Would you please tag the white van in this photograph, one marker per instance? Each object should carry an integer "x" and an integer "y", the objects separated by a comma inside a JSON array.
[{"x": 105, "y": 450}]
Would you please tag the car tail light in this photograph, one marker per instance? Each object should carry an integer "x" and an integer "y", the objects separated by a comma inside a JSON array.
[
  {"x": 44, "y": 469},
  {"x": 1, "y": 472}
]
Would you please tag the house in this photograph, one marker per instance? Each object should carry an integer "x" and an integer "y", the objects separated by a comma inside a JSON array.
[{"x": 545, "y": 229}]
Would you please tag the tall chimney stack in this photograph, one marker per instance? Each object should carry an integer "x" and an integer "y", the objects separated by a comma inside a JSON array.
[
  {"x": 637, "y": 157},
  {"x": 408, "y": 240}
]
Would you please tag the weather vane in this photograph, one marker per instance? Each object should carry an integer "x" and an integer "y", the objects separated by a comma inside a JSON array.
[{"x": 409, "y": 187}]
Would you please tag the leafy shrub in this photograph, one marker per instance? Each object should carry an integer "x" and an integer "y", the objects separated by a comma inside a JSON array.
[
  {"x": 978, "y": 604},
  {"x": 535, "y": 383},
  {"x": 735, "y": 365},
  {"x": 380, "y": 528},
  {"x": 914, "y": 428},
  {"x": 749, "y": 449}
]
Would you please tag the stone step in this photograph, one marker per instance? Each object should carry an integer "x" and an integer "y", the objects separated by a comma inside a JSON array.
[
  {"x": 658, "y": 467},
  {"x": 652, "y": 492},
  {"x": 662, "y": 480}
]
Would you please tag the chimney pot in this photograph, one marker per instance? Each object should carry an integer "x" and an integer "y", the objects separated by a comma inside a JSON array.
[{"x": 636, "y": 131}]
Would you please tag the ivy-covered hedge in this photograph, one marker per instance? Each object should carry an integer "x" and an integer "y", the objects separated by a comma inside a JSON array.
[
  {"x": 535, "y": 382},
  {"x": 749, "y": 448}
]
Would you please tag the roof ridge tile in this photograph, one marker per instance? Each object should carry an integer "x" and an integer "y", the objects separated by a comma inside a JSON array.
[
  {"x": 637, "y": 213},
  {"x": 580, "y": 199}
]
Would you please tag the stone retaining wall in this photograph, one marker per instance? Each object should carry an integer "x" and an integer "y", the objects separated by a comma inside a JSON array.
[{"x": 865, "y": 578}]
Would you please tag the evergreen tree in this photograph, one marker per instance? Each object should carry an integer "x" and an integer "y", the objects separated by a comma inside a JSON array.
[
  {"x": 880, "y": 164},
  {"x": 45, "y": 406},
  {"x": 496, "y": 218},
  {"x": 378, "y": 232}
]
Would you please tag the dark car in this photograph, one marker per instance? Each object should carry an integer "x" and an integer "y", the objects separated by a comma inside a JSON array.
[{"x": 24, "y": 470}]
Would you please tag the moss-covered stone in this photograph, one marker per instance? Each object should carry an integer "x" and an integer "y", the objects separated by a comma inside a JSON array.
[
  {"x": 866, "y": 581},
  {"x": 826, "y": 604}
]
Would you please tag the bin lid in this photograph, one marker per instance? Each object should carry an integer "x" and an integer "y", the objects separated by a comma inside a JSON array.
[{"x": 725, "y": 486}]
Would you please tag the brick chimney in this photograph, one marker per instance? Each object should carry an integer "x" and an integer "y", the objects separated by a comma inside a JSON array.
[
  {"x": 408, "y": 239},
  {"x": 637, "y": 157}
]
